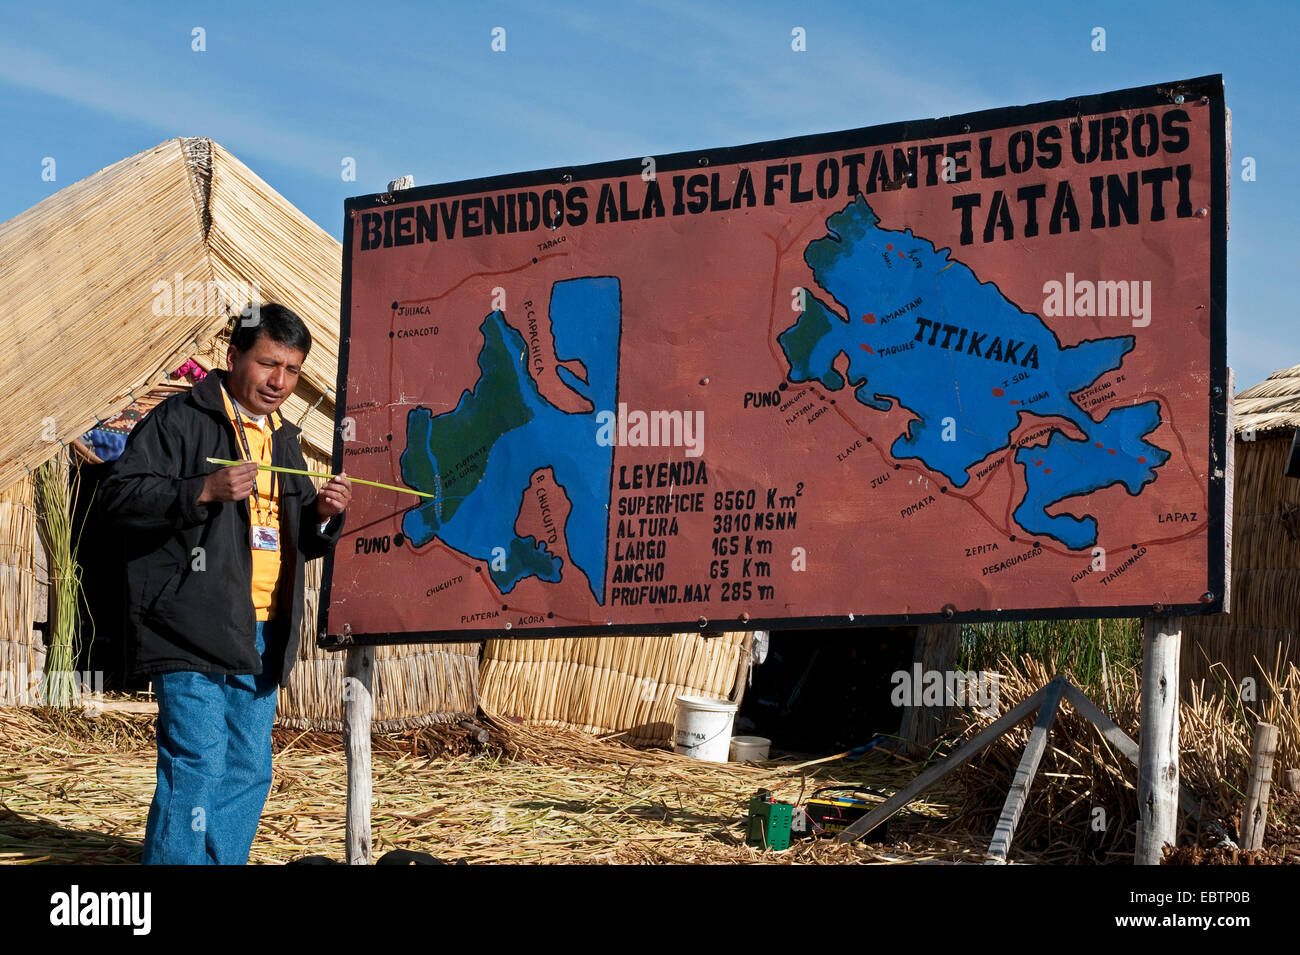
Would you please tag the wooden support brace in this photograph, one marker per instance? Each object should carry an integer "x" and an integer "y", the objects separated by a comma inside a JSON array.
[
  {"x": 1059, "y": 688},
  {"x": 942, "y": 768},
  {"x": 1024, "y": 779}
]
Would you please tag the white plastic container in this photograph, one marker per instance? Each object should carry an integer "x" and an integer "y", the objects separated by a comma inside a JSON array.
[
  {"x": 702, "y": 727},
  {"x": 746, "y": 749}
]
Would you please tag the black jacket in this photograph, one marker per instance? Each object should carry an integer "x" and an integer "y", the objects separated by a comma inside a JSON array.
[{"x": 190, "y": 609}]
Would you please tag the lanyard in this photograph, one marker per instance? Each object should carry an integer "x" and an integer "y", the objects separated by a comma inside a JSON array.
[{"x": 248, "y": 454}]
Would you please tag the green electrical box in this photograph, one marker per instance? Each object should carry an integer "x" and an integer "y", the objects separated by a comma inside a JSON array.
[{"x": 769, "y": 822}]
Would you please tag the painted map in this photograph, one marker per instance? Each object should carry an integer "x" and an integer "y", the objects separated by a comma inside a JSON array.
[
  {"x": 833, "y": 381},
  {"x": 978, "y": 358},
  {"x": 487, "y": 449}
]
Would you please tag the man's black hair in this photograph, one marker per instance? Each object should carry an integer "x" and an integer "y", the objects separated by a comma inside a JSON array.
[{"x": 280, "y": 324}]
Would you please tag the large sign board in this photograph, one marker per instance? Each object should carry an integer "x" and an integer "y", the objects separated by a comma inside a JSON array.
[{"x": 968, "y": 368}]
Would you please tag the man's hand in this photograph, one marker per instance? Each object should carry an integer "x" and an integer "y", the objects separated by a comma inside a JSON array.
[
  {"x": 334, "y": 496},
  {"x": 229, "y": 484}
]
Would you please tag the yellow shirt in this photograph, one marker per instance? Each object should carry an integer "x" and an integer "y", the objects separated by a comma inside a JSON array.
[{"x": 265, "y": 509}]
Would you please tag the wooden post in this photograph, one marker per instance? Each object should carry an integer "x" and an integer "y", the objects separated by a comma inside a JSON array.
[
  {"x": 935, "y": 650},
  {"x": 1158, "y": 739},
  {"x": 1024, "y": 778},
  {"x": 1293, "y": 780},
  {"x": 358, "y": 709},
  {"x": 1254, "y": 814}
]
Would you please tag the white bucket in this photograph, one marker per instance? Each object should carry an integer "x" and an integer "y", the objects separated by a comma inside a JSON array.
[
  {"x": 750, "y": 748},
  {"x": 703, "y": 727}
]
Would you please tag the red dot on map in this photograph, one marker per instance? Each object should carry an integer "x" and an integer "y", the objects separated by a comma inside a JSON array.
[
  {"x": 1014, "y": 402},
  {"x": 1142, "y": 460},
  {"x": 1100, "y": 445},
  {"x": 998, "y": 392},
  {"x": 1038, "y": 463},
  {"x": 869, "y": 318},
  {"x": 889, "y": 246},
  {"x": 1047, "y": 470},
  {"x": 901, "y": 255},
  {"x": 1110, "y": 450},
  {"x": 866, "y": 348}
]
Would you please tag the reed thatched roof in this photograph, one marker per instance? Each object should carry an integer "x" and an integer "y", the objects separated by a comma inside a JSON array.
[
  {"x": 81, "y": 338},
  {"x": 80, "y": 333},
  {"x": 1271, "y": 405}
]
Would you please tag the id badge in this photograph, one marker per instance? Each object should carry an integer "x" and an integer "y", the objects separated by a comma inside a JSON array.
[{"x": 266, "y": 538}]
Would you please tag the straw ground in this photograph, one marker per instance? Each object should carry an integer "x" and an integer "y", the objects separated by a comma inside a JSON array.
[{"x": 77, "y": 790}]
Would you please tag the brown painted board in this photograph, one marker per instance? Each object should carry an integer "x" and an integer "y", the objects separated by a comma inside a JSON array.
[{"x": 967, "y": 368}]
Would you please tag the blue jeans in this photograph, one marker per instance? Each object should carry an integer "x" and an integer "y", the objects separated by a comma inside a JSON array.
[{"x": 214, "y": 764}]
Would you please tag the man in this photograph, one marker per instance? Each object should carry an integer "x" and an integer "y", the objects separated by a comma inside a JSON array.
[{"x": 214, "y": 579}]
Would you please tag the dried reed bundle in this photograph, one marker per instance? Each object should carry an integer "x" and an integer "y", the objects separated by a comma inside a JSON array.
[
  {"x": 56, "y": 493},
  {"x": 1219, "y": 722},
  {"x": 603, "y": 685},
  {"x": 1081, "y": 773}
]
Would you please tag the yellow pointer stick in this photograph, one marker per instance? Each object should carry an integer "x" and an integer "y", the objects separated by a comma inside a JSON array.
[{"x": 272, "y": 467}]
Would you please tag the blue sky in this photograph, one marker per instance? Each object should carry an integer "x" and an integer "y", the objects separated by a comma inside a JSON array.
[{"x": 416, "y": 88}]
